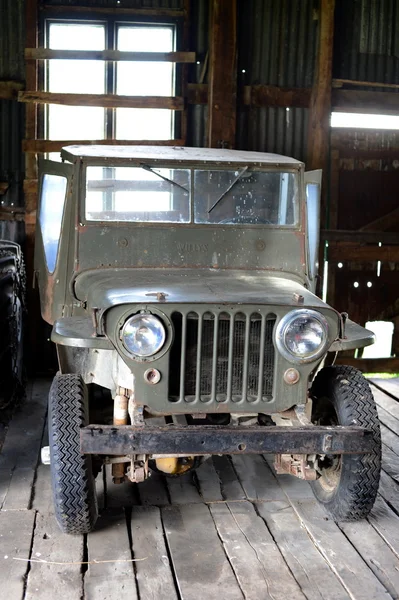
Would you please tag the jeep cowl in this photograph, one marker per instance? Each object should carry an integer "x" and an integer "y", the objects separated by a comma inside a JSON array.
[{"x": 180, "y": 286}]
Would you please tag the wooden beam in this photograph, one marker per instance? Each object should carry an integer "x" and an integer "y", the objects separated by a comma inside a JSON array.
[
  {"x": 257, "y": 95},
  {"x": 269, "y": 95},
  {"x": 365, "y": 102},
  {"x": 320, "y": 105},
  {"x": 222, "y": 74},
  {"x": 104, "y": 100},
  {"x": 44, "y": 146},
  {"x": 4, "y": 185},
  {"x": 371, "y": 365},
  {"x": 109, "y": 55},
  {"x": 338, "y": 83},
  {"x": 9, "y": 89},
  {"x": 355, "y": 253},
  {"x": 8, "y": 213},
  {"x": 359, "y": 236},
  {"x": 383, "y": 223},
  {"x": 90, "y": 10}
]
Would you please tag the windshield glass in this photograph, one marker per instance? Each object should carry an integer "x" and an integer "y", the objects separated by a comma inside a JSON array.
[
  {"x": 149, "y": 194},
  {"x": 138, "y": 194},
  {"x": 245, "y": 196}
]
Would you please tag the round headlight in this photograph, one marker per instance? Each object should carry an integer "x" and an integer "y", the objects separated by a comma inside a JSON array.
[
  {"x": 302, "y": 336},
  {"x": 143, "y": 335}
]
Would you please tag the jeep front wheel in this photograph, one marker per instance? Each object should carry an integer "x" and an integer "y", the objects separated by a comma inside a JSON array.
[
  {"x": 72, "y": 478},
  {"x": 347, "y": 485}
]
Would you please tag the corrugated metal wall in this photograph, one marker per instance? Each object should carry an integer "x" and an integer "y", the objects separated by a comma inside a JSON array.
[
  {"x": 277, "y": 45},
  {"x": 12, "y": 43},
  {"x": 367, "y": 40}
]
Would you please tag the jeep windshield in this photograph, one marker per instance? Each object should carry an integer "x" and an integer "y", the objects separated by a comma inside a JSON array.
[{"x": 152, "y": 194}]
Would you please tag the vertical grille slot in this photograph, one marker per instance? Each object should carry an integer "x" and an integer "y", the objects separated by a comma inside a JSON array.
[{"x": 219, "y": 357}]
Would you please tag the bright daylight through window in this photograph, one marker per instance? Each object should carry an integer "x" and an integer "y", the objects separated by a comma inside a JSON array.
[{"x": 98, "y": 77}]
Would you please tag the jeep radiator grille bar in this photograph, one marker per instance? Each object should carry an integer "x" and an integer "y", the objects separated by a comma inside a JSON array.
[{"x": 222, "y": 356}]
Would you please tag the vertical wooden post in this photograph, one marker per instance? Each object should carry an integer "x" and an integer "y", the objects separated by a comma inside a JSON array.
[
  {"x": 320, "y": 104},
  {"x": 30, "y": 183},
  {"x": 222, "y": 95},
  {"x": 320, "y": 108}
]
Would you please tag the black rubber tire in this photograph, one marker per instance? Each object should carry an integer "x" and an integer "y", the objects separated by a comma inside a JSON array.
[
  {"x": 74, "y": 491},
  {"x": 357, "y": 478}
]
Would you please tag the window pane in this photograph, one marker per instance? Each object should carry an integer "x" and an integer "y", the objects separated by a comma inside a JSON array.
[
  {"x": 138, "y": 195},
  {"x": 50, "y": 218},
  {"x": 76, "y": 76},
  {"x": 145, "y": 79},
  {"x": 245, "y": 197}
]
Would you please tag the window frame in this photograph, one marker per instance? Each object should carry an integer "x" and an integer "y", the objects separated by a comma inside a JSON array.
[
  {"x": 111, "y": 24},
  {"x": 297, "y": 226}
]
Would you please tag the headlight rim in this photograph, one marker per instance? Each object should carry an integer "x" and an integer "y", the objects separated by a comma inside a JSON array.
[
  {"x": 167, "y": 329},
  {"x": 285, "y": 321}
]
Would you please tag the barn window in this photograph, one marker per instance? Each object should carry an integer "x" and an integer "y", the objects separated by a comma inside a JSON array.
[{"x": 130, "y": 78}]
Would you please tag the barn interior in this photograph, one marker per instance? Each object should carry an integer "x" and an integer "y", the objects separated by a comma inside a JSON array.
[{"x": 316, "y": 80}]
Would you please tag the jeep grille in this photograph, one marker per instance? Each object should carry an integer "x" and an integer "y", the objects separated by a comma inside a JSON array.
[{"x": 218, "y": 357}]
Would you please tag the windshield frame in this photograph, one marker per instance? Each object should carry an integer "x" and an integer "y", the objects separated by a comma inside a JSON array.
[{"x": 258, "y": 167}]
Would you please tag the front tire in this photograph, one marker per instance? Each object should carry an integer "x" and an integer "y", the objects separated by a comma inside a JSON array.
[
  {"x": 74, "y": 494},
  {"x": 348, "y": 483}
]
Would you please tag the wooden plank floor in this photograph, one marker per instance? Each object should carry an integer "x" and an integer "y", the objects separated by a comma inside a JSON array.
[{"x": 232, "y": 530}]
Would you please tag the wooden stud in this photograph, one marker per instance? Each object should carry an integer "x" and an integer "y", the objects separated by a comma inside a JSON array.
[
  {"x": 223, "y": 74},
  {"x": 109, "y": 55},
  {"x": 104, "y": 100}
]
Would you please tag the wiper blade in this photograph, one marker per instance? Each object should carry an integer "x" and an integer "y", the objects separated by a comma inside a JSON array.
[
  {"x": 240, "y": 174},
  {"x": 151, "y": 170}
]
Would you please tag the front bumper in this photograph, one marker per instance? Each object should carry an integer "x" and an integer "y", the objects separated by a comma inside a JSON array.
[{"x": 212, "y": 439}]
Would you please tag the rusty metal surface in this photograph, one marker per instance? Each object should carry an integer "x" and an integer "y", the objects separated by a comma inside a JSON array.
[{"x": 209, "y": 439}]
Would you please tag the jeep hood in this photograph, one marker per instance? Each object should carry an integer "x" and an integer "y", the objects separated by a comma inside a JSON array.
[{"x": 104, "y": 288}]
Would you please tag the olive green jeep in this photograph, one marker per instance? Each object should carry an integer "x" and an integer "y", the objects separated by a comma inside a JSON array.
[{"x": 180, "y": 285}]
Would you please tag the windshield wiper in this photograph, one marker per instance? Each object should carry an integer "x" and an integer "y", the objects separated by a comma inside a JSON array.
[
  {"x": 148, "y": 168},
  {"x": 240, "y": 174}
]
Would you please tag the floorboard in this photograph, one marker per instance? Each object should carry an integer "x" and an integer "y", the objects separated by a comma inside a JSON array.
[{"x": 230, "y": 530}]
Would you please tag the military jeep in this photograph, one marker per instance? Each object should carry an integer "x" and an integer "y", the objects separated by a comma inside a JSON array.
[{"x": 180, "y": 286}]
